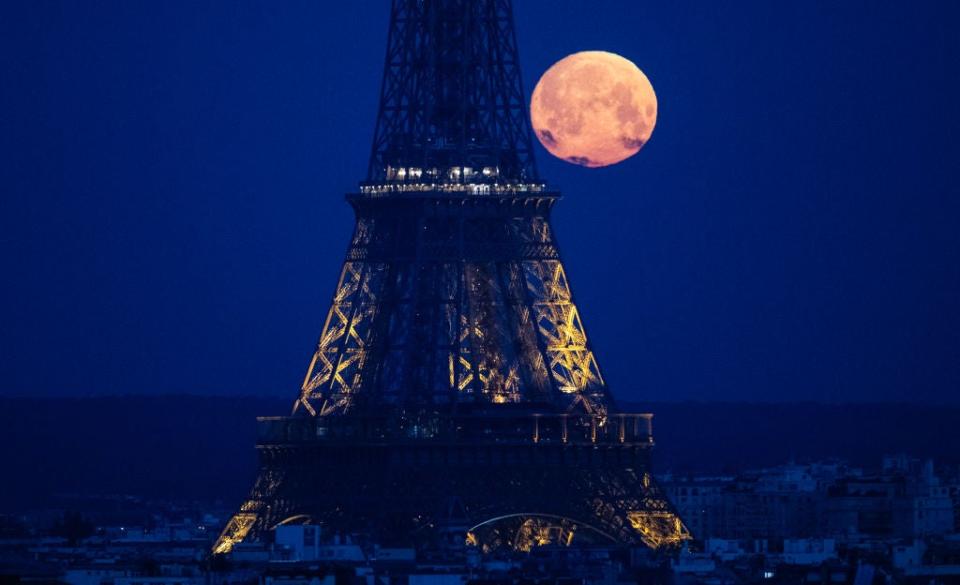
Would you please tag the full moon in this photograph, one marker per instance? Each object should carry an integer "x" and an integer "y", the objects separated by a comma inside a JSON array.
[{"x": 593, "y": 109}]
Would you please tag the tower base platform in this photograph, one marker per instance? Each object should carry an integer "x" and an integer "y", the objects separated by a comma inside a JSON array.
[{"x": 489, "y": 480}]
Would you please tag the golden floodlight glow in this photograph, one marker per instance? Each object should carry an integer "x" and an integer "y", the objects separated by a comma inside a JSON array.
[{"x": 593, "y": 109}]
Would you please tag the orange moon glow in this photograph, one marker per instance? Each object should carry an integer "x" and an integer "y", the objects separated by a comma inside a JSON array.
[{"x": 593, "y": 109}]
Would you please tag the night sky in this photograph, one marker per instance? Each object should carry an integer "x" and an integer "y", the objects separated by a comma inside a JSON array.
[{"x": 172, "y": 179}]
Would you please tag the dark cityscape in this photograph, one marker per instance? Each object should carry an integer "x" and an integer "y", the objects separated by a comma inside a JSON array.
[{"x": 758, "y": 213}]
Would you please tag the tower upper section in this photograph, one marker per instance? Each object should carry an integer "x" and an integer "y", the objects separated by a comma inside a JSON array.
[
  {"x": 453, "y": 113},
  {"x": 452, "y": 295}
]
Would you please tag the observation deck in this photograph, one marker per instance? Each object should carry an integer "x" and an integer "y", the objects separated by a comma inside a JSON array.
[
  {"x": 487, "y": 428},
  {"x": 458, "y": 180}
]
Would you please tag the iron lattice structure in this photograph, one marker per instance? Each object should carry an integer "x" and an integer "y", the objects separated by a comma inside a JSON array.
[
  {"x": 452, "y": 96},
  {"x": 453, "y": 365}
]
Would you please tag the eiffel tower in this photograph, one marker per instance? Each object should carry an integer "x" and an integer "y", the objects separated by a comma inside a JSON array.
[{"x": 453, "y": 365}]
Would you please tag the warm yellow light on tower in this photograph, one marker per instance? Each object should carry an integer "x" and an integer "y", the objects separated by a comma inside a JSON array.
[{"x": 593, "y": 109}]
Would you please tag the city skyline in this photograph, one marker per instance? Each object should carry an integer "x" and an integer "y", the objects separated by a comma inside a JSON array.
[{"x": 683, "y": 314}]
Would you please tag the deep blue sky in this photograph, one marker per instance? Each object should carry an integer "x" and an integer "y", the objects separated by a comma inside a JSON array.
[{"x": 172, "y": 177}]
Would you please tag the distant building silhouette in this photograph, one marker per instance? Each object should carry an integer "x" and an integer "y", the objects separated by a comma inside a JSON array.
[{"x": 904, "y": 499}]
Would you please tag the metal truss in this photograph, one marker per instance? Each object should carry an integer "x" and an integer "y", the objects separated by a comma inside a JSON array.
[
  {"x": 469, "y": 307},
  {"x": 452, "y": 98}
]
